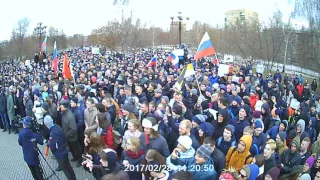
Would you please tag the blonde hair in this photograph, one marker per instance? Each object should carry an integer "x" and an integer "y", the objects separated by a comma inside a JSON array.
[
  {"x": 187, "y": 123},
  {"x": 248, "y": 129},
  {"x": 135, "y": 142},
  {"x": 272, "y": 144},
  {"x": 136, "y": 123}
]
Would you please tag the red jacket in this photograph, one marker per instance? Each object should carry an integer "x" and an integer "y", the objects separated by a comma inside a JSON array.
[
  {"x": 300, "y": 90},
  {"x": 253, "y": 100},
  {"x": 107, "y": 137}
]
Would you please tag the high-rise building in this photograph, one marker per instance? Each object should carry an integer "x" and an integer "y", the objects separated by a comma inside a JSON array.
[{"x": 240, "y": 14}]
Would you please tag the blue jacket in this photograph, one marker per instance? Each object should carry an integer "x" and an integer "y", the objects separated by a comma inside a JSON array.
[
  {"x": 203, "y": 171},
  {"x": 156, "y": 100},
  {"x": 261, "y": 141},
  {"x": 312, "y": 130},
  {"x": 224, "y": 146},
  {"x": 79, "y": 116},
  {"x": 273, "y": 132},
  {"x": 30, "y": 155},
  {"x": 159, "y": 144},
  {"x": 112, "y": 112},
  {"x": 239, "y": 126},
  {"x": 57, "y": 142}
]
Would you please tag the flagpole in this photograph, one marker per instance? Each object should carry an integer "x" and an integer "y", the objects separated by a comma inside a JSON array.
[{"x": 198, "y": 84}]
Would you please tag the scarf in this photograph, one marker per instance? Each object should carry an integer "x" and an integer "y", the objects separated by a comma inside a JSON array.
[{"x": 135, "y": 155}]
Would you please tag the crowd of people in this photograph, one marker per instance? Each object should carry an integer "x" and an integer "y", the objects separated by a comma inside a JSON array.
[{"x": 123, "y": 120}]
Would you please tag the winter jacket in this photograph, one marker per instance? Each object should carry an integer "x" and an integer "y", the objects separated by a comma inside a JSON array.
[
  {"x": 69, "y": 126},
  {"x": 142, "y": 98},
  {"x": 219, "y": 160},
  {"x": 107, "y": 137},
  {"x": 224, "y": 146},
  {"x": 269, "y": 163},
  {"x": 57, "y": 142},
  {"x": 10, "y": 107},
  {"x": 159, "y": 144},
  {"x": 134, "y": 159},
  {"x": 293, "y": 133},
  {"x": 79, "y": 117},
  {"x": 89, "y": 118},
  {"x": 112, "y": 112},
  {"x": 28, "y": 107},
  {"x": 3, "y": 104},
  {"x": 203, "y": 171},
  {"x": 236, "y": 159},
  {"x": 261, "y": 141},
  {"x": 239, "y": 125},
  {"x": 188, "y": 154},
  {"x": 312, "y": 130},
  {"x": 289, "y": 159},
  {"x": 273, "y": 132},
  {"x": 30, "y": 155}
]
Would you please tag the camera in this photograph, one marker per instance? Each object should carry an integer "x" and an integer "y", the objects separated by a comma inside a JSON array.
[
  {"x": 35, "y": 126},
  {"x": 178, "y": 153}
]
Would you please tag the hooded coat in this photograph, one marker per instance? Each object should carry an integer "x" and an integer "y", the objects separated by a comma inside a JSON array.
[
  {"x": 293, "y": 133},
  {"x": 219, "y": 127},
  {"x": 237, "y": 159},
  {"x": 290, "y": 159},
  {"x": 266, "y": 117},
  {"x": 312, "y": 130}
]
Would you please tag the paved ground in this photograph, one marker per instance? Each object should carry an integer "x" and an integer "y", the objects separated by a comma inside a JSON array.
[{"x": 13, "y": 167}]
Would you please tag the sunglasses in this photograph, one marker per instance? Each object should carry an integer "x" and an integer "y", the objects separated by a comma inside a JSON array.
[{"x": 242, "y": 176}]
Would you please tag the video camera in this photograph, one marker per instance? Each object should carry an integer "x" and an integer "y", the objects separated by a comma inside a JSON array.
[{"x": 35, "y": 126}]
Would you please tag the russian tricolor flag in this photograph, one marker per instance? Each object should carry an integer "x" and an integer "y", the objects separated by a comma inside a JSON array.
[
  {"x": 152, "y": 62},
  {"x": 55, "y": 58},
  {"x": 205, "y": 48},
  {"x": 174, "y": 59},
  {"x": 44, "y": 45}
]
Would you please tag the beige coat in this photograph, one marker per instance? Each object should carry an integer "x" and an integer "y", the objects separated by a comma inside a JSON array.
[{"x": 90, "y": 117}]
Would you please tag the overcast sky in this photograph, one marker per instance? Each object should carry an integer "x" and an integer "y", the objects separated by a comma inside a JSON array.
[{"x": 80, "y": 16}]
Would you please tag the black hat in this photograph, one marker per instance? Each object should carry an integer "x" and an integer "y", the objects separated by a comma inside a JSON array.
[
  {"x": 65, "y": 103},
  {"x": 45, "y": 106},
  {"x": 75, "y": 100}
]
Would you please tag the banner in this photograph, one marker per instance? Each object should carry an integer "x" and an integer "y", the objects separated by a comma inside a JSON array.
[
  {"x": 260, "y": 68},
  {"x": 223, "y": 69},
  {"x": 95, "y": 50}
]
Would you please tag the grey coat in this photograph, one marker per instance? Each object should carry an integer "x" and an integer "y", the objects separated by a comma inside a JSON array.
[
  {"x": 10, "y": 107},
  {"x": 69, "y": 126}
]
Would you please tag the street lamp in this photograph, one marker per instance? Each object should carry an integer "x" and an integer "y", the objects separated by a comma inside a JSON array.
[
  {"x": 180, "y": 18},
  {"x": 39, "y": 30}
]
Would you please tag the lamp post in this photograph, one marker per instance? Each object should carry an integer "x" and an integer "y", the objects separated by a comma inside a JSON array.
[
  {"x": 172, "y": 28},
  {"x": 180, "y": 18},
  {"x": 39, "y": 30}
]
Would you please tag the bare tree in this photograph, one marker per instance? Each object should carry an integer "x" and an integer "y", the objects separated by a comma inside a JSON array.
[
  {"x": 20, "y": 31},
  {"x": 121, "y": 2}
]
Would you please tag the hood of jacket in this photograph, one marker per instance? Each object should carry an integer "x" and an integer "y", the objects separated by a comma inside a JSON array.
[
  {"x": 302, "y": 124},
  {"x": 247, "y": 139},
  {"x": 313, "y": 122},
  {"x": 265, "y": 106},
  {"x": 254, "y": 171}
]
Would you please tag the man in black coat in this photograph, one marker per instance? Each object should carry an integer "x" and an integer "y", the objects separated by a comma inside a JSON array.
[
  {"x": 69, "y": 127},
  {"x": 3, "y": 112},
  {"x": 217, "y": 156}
]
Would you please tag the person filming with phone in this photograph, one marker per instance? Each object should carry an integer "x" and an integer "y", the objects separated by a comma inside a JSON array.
[{"x": 26, "y": 140}]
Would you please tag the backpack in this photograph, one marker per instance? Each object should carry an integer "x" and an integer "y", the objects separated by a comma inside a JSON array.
[
  {"x": 116, "y": 138},
  {"x": 247, "y": 158},
  {"x": 220, "y": 139}
]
